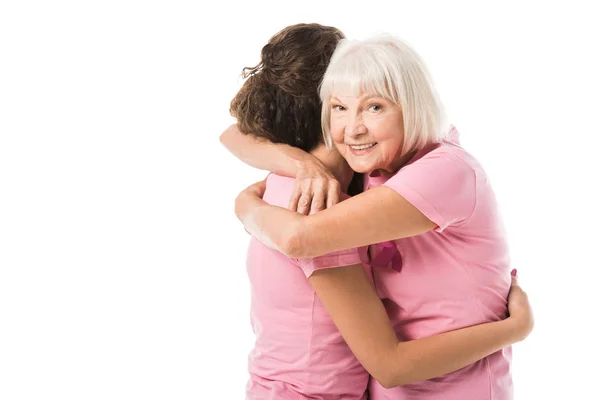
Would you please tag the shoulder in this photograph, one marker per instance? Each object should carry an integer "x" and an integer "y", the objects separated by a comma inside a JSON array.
[
  {"x": 451, "y": 151},
  {"x": 445, "y": 159},
  {"x": 441, "y": 184},
  {"x": 279, "y": 189}
]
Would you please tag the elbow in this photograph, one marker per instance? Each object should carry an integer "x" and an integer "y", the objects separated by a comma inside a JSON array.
[
  {"x": 384, "y": 369},
  {"x": 390, "y": 381},
  {"x": 228, "y": 136},
  {"x": 224, "y": 139},
  {"x": 289, "y": 247},
  {"x": 393, "y": 374},
  {"x": 386, "y": 379},
  {"x": 293, "y": 242},
  {"x": 385, "y": 383}
]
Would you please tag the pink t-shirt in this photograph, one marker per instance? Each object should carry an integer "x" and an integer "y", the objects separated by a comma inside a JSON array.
[
  {"x": 454, "y": 276},
  {"x": 299, "y": 353}
]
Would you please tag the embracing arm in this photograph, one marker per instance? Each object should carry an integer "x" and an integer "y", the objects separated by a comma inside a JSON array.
[
  {"x": 262, "y": 154},
  {"x": 436, "y": 191},
  {"x": 358, "y": 313},
  {"x": 377, "y": 215}
]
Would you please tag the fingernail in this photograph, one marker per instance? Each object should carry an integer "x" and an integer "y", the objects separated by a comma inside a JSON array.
[{"x": 513, "y": 272}]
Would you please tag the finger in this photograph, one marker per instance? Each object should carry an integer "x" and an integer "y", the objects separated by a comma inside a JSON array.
[
  {"x": 318, "y": 195},
  {"x": 333, "y": 194},
  {"x": 261, "y": 187},
  {"x": 304, "y": 203},
  {"x": 295, "y": 198},
  {"x": 318, "y": 201},
  {"x": 305, "y": 197},
  {"x": 513, "y": 277}
]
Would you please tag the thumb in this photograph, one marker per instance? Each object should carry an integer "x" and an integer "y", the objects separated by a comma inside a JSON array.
[
  {"x": 513, "y": 277},
  {"x": 263, "y": 185}
]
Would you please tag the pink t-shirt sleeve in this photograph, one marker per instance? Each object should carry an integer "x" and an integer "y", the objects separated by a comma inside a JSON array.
[
  {"x": 342, "y": 258},
  {"x": 441, "y": 185}
]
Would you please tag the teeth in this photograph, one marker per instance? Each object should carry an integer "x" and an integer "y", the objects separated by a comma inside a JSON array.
[{"x": 363, "y": 146}]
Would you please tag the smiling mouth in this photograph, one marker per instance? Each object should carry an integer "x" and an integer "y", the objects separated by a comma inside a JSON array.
[{"x": 362, "y": 146}]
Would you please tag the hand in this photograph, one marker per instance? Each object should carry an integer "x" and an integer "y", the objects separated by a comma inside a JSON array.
[
  {"x": 256, "y": 189},
  {"x": 245, "y": 199},
  {"x": 519, "y": 308},
  {"x": 315, "y": 188}
]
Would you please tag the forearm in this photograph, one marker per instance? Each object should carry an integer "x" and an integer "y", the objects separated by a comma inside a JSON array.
[
  {"x": 289, "y": 232},
  {"x": 358, "y": 313},
  {"x": 437, "y": 355},
  {"x": 275, "y": 227},
  {"x": 373, "y": 220},
  {"x": 262, "y": 154}
]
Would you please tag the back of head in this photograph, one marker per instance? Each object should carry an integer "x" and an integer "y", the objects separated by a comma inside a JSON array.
[
  {"x": 279, "y": 100},
  {"x": 390, "y": 68}
]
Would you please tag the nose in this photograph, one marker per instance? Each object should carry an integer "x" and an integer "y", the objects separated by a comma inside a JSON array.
[{"x": 355, "y": 127}]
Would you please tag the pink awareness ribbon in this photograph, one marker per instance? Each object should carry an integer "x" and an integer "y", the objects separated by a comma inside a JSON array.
[{"x": 389, "y": 252}]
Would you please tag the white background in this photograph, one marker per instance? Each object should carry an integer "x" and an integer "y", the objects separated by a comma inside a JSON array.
[{"x": 122, "y": 265}]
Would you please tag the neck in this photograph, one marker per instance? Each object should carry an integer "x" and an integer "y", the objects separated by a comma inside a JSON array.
[
  {"x": 395, "y": 167},
  {"x": 336, "y": 164}
]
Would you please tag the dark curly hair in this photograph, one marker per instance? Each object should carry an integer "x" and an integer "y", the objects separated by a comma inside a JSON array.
[{"x": 279, "y": 100}]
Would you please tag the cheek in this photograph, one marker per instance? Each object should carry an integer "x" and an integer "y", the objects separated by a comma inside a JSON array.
[
  {"x": 389, "y": 136},
  {"x": 391, "y": 146},
  {"x": 337, "y": 132}
]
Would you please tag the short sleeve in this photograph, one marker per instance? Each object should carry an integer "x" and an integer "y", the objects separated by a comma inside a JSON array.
[
  {"x": 336, "y": 259},
  {"x": 441, "y": 184}
]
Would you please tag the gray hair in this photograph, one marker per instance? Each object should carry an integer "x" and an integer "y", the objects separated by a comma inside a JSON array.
[{"x": 390, "y": 68}]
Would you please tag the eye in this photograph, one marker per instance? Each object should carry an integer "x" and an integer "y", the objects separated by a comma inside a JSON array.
[
  {"x": 337, "y": 107},
  {"x": 375, "y": 107}
]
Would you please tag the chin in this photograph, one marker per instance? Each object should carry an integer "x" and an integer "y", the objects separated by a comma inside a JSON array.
[{"x": 361, "y": 168}]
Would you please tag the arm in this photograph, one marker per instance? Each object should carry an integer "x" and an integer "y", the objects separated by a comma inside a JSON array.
[
  {"x": 315, "y": 189},
  {"x": 358, "y": 313},
  {"x": 434, "y": 192},
  {"x": 262, "y": 154},
  {"x": 378, "y": 215}
]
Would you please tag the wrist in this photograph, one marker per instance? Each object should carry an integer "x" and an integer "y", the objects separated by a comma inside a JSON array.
[
  {"x": 301, "y": 159},
  {"x": 518, "y": 327},
  {"x": 300, "y": 156},
  {"x": 305, "y": 164}
]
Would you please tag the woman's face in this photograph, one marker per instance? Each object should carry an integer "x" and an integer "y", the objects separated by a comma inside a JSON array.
[{"x": 368, "y": 131}]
